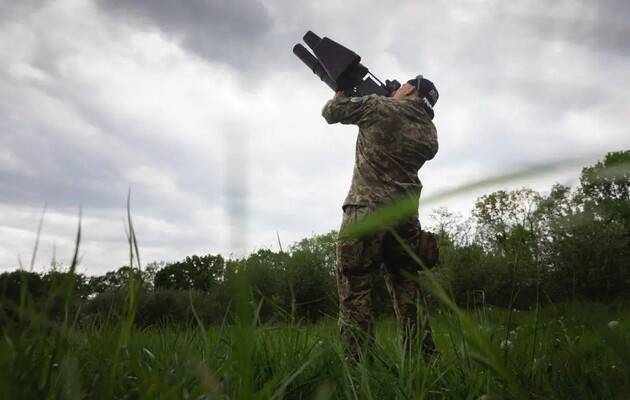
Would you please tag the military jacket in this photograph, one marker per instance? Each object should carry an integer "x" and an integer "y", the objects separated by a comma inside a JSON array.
[{"x": 396, "y": 137}]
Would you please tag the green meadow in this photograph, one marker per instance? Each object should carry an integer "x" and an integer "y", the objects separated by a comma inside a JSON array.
[
  {"x": 566, "y": 351},
  {"x": 529, "y": 301}
]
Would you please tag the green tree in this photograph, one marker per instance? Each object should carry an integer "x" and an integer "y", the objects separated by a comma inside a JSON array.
[
  {"x": 195, "y": 272},
  {"x": 311, "y": 274},
  {"x": 506, "y": 220},
  {"x": 112, "y": 280},
  {"x": 589, "y": 240},
  {"x": 605, "y": 187}
]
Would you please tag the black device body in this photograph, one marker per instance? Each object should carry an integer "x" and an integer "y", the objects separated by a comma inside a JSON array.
[{"x": 340, "y": 68}]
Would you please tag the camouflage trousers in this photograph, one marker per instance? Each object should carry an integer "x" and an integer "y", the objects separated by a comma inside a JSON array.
[{"x": 359, "y": 261}]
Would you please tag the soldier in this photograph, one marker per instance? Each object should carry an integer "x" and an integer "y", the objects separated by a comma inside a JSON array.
[{"x": 396, "y": 137}]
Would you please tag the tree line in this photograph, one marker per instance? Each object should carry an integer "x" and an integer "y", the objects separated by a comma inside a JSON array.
[{"x": 519, "y": 248}]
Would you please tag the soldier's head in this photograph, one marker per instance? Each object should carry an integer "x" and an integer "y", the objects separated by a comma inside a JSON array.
[
  {"x": 425, "y": 89},
  {"x": 421, "y": 88}
]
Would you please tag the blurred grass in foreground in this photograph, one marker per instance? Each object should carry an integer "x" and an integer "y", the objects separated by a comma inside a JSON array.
[{"x": 576, "y": 357}]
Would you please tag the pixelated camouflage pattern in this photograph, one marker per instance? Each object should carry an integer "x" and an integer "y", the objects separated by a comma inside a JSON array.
[
  {"x": 396, "y": 137},
  {"x": 359, "y": 261}
]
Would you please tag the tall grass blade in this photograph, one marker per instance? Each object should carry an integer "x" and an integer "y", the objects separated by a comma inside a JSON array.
[{"x": 39, "y": 231}]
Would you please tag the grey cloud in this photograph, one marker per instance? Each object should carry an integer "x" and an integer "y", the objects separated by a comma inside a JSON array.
[
  {"x": 600, "y": 25},
  {"x": 255, "y": 41},
  {"x": 498, "y": 37},
  {"x": 70, "y": 149},
  {"x": 13, "y": 10},
  {"x": 67, "y": 167},
  {"x": 230, "y": 31},
  {"x": 254, "y": 37}
]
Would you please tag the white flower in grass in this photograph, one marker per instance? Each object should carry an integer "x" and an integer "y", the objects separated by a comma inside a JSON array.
[
  {"x": 613, "y": 324},
  {"x": 506, "y": 344}
]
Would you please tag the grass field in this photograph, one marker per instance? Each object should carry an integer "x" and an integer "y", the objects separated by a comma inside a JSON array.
[
  {"x": 558, "y": 351},
  {"x": 569, "y": 351}
]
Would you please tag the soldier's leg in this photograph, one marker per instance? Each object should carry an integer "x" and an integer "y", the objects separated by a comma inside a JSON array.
[
  {"x": 401, "y": 278},
  {"x": 357, "y": 259}
]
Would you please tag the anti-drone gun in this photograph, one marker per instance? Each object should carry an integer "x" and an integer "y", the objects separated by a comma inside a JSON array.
[{"x": 340, "y": 68}]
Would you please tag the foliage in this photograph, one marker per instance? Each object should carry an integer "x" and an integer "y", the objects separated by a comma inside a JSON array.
[
  {"x": 558, "y": 246},
  {"x": 193, "y": 273}
]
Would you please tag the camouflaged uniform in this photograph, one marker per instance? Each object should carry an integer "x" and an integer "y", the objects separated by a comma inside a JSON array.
[{"x": 396, "y": 137}]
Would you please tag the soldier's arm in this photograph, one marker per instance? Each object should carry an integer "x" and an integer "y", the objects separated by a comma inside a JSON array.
[{"x": 347, "y": 110}]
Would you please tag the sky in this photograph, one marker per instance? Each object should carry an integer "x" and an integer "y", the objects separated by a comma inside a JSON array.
[{"x": 200, "y": 110}]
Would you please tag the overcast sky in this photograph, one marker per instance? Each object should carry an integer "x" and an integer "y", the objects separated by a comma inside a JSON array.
[{"x": 201, "y": 109}]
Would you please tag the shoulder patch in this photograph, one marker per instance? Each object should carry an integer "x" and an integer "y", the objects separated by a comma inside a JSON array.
[{"x": 356, "y": 99}]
